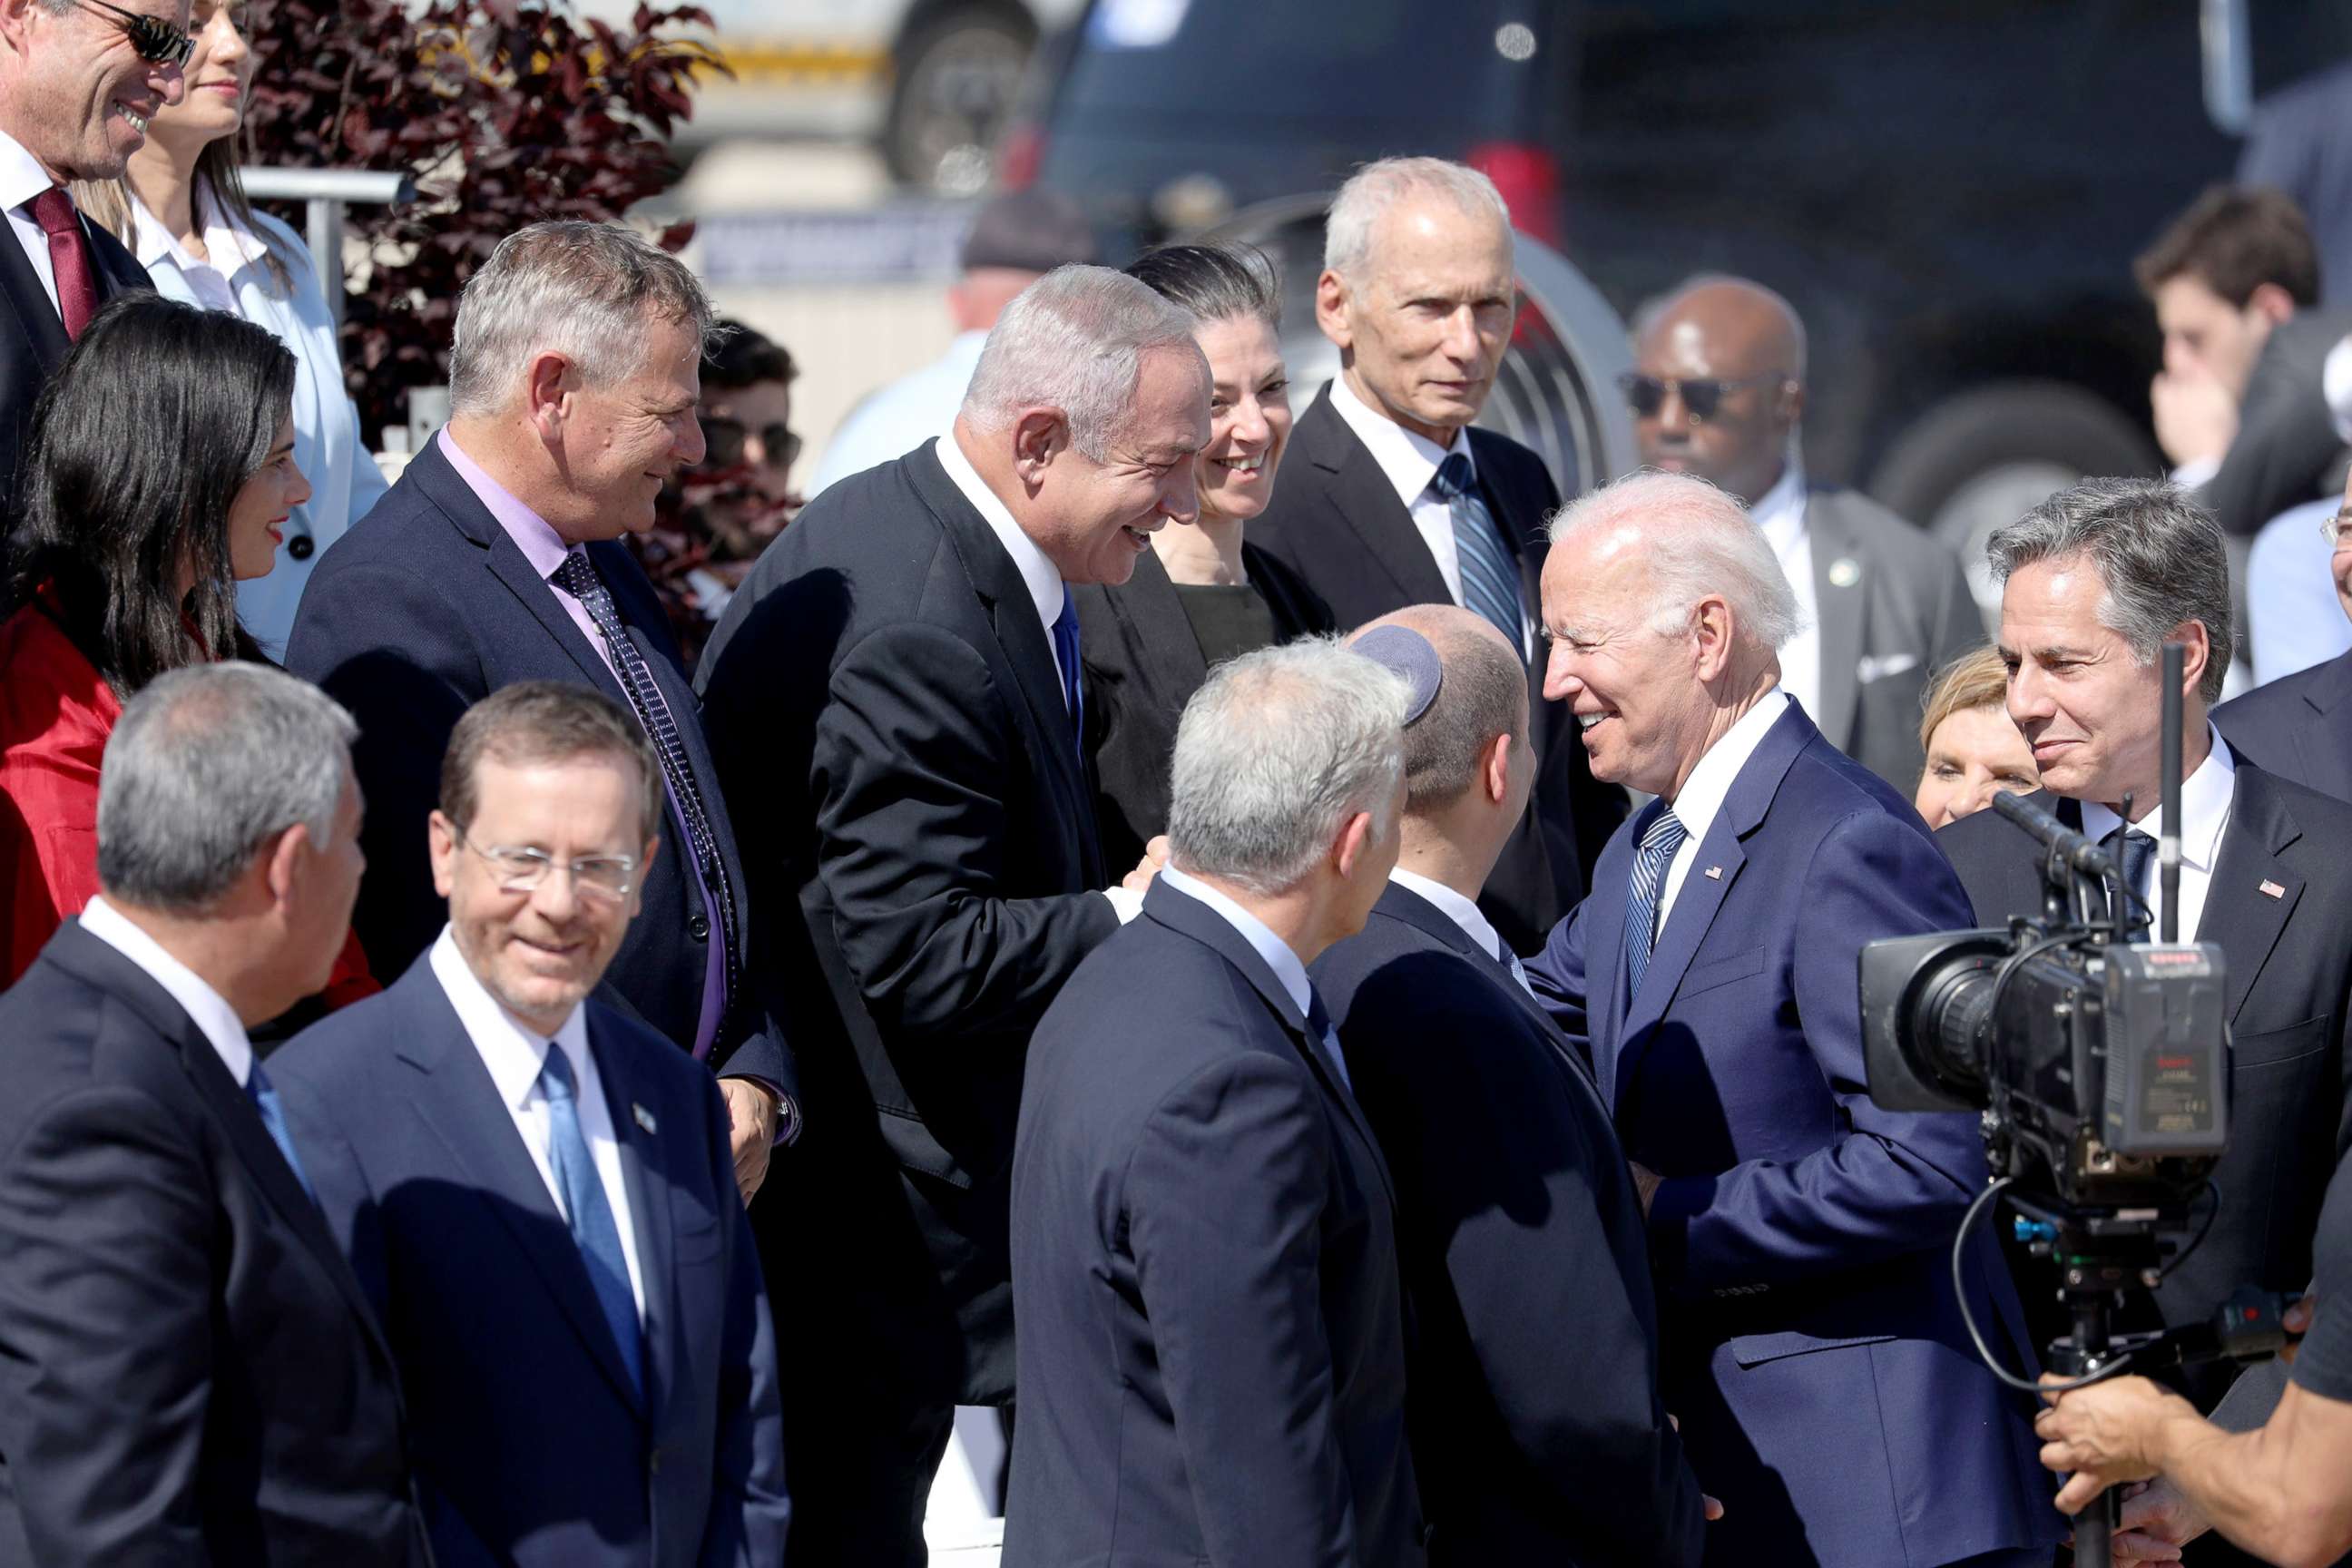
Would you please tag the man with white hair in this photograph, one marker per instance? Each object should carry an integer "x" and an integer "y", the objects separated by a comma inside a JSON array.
[
  {"x": 497, "y": 558},
  {"x": 1390, "y": 499},
  {"x": 1800, "y": 1236},
  {"x": 896, "y": 700},
  {"x": 1204, "y": 1259}
]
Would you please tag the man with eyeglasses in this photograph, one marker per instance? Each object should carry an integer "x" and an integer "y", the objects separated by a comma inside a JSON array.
[
  {"x": 1718, "y": 391},
  {"x": 2300, "y": 726},
  {"x": 79, "y": 79},
  {"x": 537, "y": 1192}
]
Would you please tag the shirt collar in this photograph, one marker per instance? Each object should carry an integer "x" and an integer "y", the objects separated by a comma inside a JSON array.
[
  {"x": 1042, "y": 579},
  {"x": 1263, "y": 941},
  {"x": 1409, "y": 461},
  {"x": 206, "y": 1007},
  {"x": 1781, "y": 511},
  {"x": 514, "y": 1055},
  {"x": 2205, "y": 797},
  {"x": 533, "y": 534},
  {"x": 1703, "y": 792},
  {"x": 224, "y": 237},
  {"x": 21, "y": 176},
  {"x": 1461, "y": 911}
]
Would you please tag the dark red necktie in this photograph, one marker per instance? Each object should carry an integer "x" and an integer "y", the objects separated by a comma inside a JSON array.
[{"x": 69, "y": 257}]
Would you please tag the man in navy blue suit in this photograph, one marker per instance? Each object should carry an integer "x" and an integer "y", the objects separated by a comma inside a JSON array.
[
  {"x": 536, "y": 1191},
  {"x": 2300, "y": 726},
  {"x": 1815, "y": 1350}
]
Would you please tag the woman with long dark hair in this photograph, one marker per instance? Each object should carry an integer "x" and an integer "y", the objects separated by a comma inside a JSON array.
[{"x": 161, "y": 472}]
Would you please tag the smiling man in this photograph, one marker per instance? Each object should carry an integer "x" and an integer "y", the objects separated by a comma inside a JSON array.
[
  {"x": 79, "y": 79},
  {"x": 897, "y": 699}
]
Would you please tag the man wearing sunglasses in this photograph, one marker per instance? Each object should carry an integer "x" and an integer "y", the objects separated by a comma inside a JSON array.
[
  {"x": 78, "y": 81},
  {"x": 1718, "y": 391}
]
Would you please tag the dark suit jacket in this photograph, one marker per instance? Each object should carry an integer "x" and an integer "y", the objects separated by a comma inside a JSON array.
[
  {"x": 32, "y": 339},
  {"x": 1205, "y": 1268},
  {"x": 2298, "y": 728},
  {"x": 1143, "y": 662},
  {"x": 1893, "y": 607},
  {"x": 2286, "y": 449},
  {"x": 2288, "y": 966},
  {"x": 1336, "y": 520},
  {"x": 532, "y": 1444},
  {"x": 188, "y": 1371},
  {"x": 423, "y": 609},
  {"x": 1802, "y": 1236},
  {"x": 1539, "y": 1434},
  {"x": 890, "y": 729}
]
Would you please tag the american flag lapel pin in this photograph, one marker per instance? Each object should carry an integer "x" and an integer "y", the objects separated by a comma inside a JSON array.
[
  {"x": 2271, "y": 889},
  {"x": 1715, "y": 873},
  {"x": 644, "y": 1118}
]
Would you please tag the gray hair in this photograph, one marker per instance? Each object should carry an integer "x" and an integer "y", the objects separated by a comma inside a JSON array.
[
  {"x": 1701, "y": 542},
  {"x": 1275, "y": 753},
  {"x": 585, "y": 291},
  {"x": 1374, "y": 188},
  {"x": 1075, "y": 341},
  {"x": 205, "y": 767},
  {"x": 2160, "y": 556}
]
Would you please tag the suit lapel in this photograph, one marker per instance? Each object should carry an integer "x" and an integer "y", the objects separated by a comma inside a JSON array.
[
  {"x": 1839, "y": 610},
  {"x": 2323, "y": 744},
  {"x": 1170, "y": 663},
  {"x": 1360, "y": 494},
  {"x": 44, "y": 330},
  {"x": 1604, "y": 948},
  {"x": 648, "y": 1199},
  {"x": 2245, "y": 920},
  {"x": 1402, "y": 904}
]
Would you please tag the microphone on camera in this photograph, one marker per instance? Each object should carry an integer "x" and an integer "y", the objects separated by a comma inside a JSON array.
[{"x": 2075, "y": 850}]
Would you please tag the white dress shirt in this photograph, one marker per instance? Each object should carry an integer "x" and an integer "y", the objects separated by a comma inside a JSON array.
[
  {"x": 22, "y": 178},
  {"x": 209, "y": 1009},
  {"x": 1703, "y": 792},
  {"x": 1780, "y": 514},
  {"x": 2206, "y": 797},
  {"x": 1410, "y": 464},
  {"x": 894, "y": 420},
  {"x": 515, "y": 1056},
  {"x": 1463, "y": 913},
  {"x": 1276, "y": 952}
]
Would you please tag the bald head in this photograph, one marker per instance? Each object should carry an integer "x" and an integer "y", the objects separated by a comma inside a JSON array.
[
  {"x": 1746, "y": 346},
  {"x": 1482, "y": 693}
]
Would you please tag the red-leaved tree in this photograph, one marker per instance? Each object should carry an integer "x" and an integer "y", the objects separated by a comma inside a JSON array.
[{"x": 505, "y": 112}]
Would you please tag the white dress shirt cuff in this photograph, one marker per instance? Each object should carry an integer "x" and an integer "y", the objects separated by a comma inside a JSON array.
[{"x": 1126, "y": 901}]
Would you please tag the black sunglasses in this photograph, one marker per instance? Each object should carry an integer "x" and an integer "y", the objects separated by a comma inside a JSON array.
[
  {"x": 154, "y": 40},
  {"x": 1702, "y": 396},
  {"x": 727, "y": 438}
]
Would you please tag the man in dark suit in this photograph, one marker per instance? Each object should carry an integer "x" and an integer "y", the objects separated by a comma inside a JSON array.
[
  {"x": 497, "y": 559},
  {"x": 536, "y": 1191},
  {"x": 1204, "y": 1251},
  {"x": 2095, "y": 581},
  {"x": 1800, "y": 1235},
  {"x": 2300, "y": 726},
  {"x": 1719, "y": 391},
  {"x": 1515, "y": 1214},
  {"x": 188, "y": 1371},
  {"x": 78, "y": 86},
  {"x": 1390, "y": 499},
  {"x": 895, "y": 701}
]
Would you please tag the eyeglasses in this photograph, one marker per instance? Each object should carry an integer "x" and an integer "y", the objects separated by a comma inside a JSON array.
[
  {"x": 729, "y": 439},
  {"x": 2332, "y": 526},
  {"x": 521, "y": 870},
  {"x": 154, "y": 40},
  {"x": 1701, "y": 395}
]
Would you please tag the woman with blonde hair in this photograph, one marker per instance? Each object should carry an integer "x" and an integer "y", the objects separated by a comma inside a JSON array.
[{"x": 1974, "y": 752}]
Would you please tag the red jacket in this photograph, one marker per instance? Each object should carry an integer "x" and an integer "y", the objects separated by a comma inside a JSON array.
[{"x": 55, "y": 712}]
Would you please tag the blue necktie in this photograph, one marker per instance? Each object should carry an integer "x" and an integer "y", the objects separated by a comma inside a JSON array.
[
  {"x": 584, "y": 1204},
  {"x": 2137, "y": 854},
  {"x": 264, "y": 1095},
  {"x": 1650, "y": 862},
  {"x": 1065, "y": 655},
  {"x": 1319, "y": 1024},
  {"x": 1490, "y": 577}
]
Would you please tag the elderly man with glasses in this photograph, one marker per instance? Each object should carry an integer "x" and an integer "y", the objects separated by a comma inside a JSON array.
[{"x": 536, "y": 1189}]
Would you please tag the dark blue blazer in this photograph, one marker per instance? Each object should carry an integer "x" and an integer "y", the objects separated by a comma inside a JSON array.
[
  {"x": 423, "y": 609},
  {"x": 1204, "y": 1269},
  {"x": 532, "y": 1448},
  {"x": 1536, "y": 1442},
  {"x": 2298, "y": 728},
  {"x": 1801, "y": 1237},
  {"x": 188, "y": 1370}
]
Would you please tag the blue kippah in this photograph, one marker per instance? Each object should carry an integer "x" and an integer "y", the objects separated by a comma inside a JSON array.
[{"x": 1409, "y": 654}]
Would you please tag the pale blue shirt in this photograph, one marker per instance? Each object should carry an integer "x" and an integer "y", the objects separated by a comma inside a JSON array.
[
  {"x": 1278, "y": 956},
  {"x": 2295, "y": 619}
]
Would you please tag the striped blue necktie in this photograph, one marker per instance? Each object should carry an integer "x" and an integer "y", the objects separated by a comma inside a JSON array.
[
  {"x": 1650, "y": 862},
  {"x": 1490, "y": 576}
]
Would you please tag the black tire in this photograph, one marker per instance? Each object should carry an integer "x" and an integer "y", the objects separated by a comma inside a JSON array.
[
  {"x": 2015, "y": 422},
  {"x": 957, "y": 72}
]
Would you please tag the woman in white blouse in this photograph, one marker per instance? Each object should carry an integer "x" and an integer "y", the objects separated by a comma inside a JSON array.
[{"x": 182, "y": 210}]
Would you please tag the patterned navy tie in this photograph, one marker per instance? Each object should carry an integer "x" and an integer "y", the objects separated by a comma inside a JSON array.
[
  {"x": 1650, "y": 862},
  {"x": 577, "y": 576},
  {"x": 2137, "y": 855},
  {"x": 589, "y": 1213},
  {"x": 1490, "y": 577},
  {"x": 264, "y": 1095}
]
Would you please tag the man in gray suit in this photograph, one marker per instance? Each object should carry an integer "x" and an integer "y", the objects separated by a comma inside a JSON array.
[{"x": 1717, "y": 392}]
